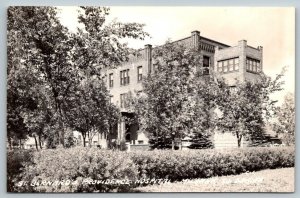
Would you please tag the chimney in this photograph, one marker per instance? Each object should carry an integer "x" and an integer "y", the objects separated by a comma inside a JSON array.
[
  {"x": 195, "y": 39},
  {"x": 148, "y": 57},
  {"x": 243, "y": 43}
]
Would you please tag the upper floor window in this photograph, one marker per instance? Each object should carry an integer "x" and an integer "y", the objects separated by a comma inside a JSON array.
[
  {"x": 228, "y": 65},
  {"x": 206, "y": 63},
  {"x": 139, "y": 73},
  {"x": 111, "y": 80},
  {"x": 253, "y": 65},
  {"x": 124, "y": 77}
]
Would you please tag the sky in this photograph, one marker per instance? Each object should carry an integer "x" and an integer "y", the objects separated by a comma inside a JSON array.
[{"x": 270, "y": 27}]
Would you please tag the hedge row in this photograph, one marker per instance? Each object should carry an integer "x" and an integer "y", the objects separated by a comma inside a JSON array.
[
  {"x": 190, "y": 164},
  {"x": 80, "y": 164}
]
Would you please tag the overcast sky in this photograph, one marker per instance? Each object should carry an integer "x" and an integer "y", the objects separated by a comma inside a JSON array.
[{"x": 272, "y": 28}]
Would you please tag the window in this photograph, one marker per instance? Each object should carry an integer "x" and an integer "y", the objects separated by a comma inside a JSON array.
[
  {"x": 110, "y": 99},
  {"x": 258, "y": 67},
  {"x": 111, "y": 80},
  {"x": 231, "y": 64},
  {"x": 206, "y": 63},
  {"x": 220, "y": 66},
  {"x": 139, "y": 73},
  {"x": 228, "y": 65},
  {"x": 124, "y": 77},
  {"x": 123, "y": 100},
  {"x": 225, "y": 66},
  {"x": 236, "y": 64},
  {"x": 253, "y": 65}
]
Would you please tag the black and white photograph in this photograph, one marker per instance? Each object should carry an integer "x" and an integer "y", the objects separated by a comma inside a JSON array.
[{"x": 131, "y": 99}]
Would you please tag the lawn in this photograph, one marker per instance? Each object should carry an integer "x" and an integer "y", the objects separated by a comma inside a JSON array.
[{"x": 270, "y": 180}]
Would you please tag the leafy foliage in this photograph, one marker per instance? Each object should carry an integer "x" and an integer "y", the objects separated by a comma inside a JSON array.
[
  {"x": 89, "y": 109},
  {"x": 285, "y": 122},
  {"x": 16, "y": 161},
  {"x": 247, "y": 106},
  {"x": 177, "y": 99},
  {"x": 79, "y": 165},
  {"x": 189, "y": 164},
  {"x": 46, "y": 63}
]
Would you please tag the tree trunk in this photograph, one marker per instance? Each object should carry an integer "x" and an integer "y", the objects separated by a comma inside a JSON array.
[
  {"x": 20, "y": 143},
  {"x": 83, "y": 138},
  {"x": 40, "y": 141},
  {"x": 90, "y": 142},
  {"x": 36, "y": 143},
  {"x": 239, "y": 139},
  {"x": 61, "y": 132},
  {"x": 173, "y": 145}
]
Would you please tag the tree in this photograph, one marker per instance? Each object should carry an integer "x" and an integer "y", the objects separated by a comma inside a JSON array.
[
  {"x": 98, "y": 45},
  {"x": 90, "y": 111},
  {"x": 247, "y": 106},
  {"x": 177, "y": 98},
  {"x": 37, "y": 120},
  {"x": 57, "y": 60},
  {"x": 285, "y": 120},
  {"x": 43, "y": 46}
]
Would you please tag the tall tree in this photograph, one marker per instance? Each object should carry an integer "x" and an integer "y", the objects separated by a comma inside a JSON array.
[
  {"x": 174, "y": 96},
  {"x": 97, "y": 47},
  {"x": 43, "y": 45},
  {"x": 90, "y": 111},
  {"x": 284, "y": 125},
  {"x": 59, "y": 60},
  {"x": 247, "y": 106}
]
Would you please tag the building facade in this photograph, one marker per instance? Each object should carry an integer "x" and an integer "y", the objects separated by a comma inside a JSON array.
[{"x": 234, "y": 63}]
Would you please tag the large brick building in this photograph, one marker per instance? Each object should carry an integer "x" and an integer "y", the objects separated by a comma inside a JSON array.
[{"x": 235, "y": 63}]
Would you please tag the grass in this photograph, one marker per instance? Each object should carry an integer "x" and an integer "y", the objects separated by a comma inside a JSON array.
[{"x": 270, "y": 180}]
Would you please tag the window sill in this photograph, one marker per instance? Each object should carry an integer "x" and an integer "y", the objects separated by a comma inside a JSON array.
[
  {"x": 229, "y": 72},
  {"x": 253, "y": 72}
]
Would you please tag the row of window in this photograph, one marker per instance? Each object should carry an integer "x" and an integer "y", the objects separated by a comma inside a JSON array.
[
  {"x": 125, "y": 78},
  {"x": 228, "y": 65},
  {"x": 223, "y": 66},
  {"x": 253, "y": 65}
]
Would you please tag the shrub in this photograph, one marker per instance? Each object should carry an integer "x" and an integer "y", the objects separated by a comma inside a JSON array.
[
  {"x": 79, "y": 166},
  {"x": 16, "y": 160}
]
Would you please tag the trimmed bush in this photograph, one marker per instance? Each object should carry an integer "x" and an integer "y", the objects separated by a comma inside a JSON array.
[
  {"x": 76, "y": 167},
  {"x": 79, "y": 165},
  {"x": 189, "y": 164}
]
